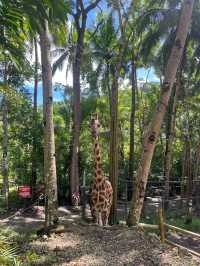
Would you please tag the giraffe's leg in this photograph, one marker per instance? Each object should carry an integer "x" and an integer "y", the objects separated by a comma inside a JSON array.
[
  {"x": 100, "y": 222},
  {"x": 106, "y": 220}
]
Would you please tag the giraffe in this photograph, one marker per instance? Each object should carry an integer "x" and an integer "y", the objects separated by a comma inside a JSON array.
[{"x": 101, "y": 188}]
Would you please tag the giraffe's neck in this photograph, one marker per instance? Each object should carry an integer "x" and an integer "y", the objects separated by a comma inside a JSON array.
[{"x": 98, "y": 172}]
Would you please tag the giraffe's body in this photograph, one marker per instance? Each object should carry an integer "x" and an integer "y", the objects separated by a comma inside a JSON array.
[{"x": 101, "y": 189}]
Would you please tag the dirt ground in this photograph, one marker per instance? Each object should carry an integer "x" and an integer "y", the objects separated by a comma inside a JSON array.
[{"x": 86, "y": 244}]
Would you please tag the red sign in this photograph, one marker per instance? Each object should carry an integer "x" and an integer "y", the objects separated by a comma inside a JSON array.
[{"x": 24, "y": 191}]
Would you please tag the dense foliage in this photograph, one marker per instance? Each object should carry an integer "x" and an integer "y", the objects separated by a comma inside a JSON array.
[{"x": 113, "y": 36}]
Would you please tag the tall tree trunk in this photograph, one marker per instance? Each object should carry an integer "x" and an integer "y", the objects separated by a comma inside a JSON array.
[
  {"x": 5, "y": 151},
  {"x": 189, "y": 181},
  {"x": 74, "y": 168},
  {"x": 34, "y": 151},
  {"x": 152, "y": 133},
  {"x": 183, "y": 174},
  {"x": 196, "y": 178},
  {"x": 5, "y": 140},
  {"x": 114, "y": 152},
  {"x": 171, "y": 121},
  {"x": 114, "y": 112},
  {"x": 108, "y": 85},
  {"x": 49, "y": 141},
  {"x": 132, "y": 130}
]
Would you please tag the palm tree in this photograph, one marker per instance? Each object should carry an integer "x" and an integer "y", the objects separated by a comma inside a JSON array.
[
  {"x": 34, "y": 151},
  {"x": 5, "y": 139},
  {"x": 114, "y": 147},
  {"x": 80, "y": 14},
  {"x": 49, "y": 142}
]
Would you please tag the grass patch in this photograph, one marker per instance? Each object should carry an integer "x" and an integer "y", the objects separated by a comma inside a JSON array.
[
  {"x": 180, "y": 222},
  {"x": 176, "y": 221},
  {"x": 15, "y": 249}
]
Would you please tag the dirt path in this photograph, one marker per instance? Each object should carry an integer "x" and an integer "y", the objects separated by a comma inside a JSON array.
[
  {"x": 192, "y": 243},
  {"x": 86, "y": 244}
]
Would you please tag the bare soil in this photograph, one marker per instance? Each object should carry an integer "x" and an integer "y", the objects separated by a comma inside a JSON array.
[{"x": 84, "y": 243}]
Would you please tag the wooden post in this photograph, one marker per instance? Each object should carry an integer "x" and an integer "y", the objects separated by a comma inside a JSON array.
[
  {"x": 161, "y": 224},
  {"x": 83, "y": 194},
  {"x": 126, "y": 200}
]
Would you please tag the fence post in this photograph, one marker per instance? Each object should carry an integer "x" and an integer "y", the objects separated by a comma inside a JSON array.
[
  {"x": 161, "y": 223},
  {"x": 83, "y": 193}
]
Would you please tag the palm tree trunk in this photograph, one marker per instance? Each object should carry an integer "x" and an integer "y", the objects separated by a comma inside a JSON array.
[
  {"x": 114, "y": 142},
  {"x": 184, "y": 173},
  {"x": 5, "y": 151},
  {"x": 188, "y": 219},
  {"x": 152, "y": 133},
  {"x": 196, "y": 178},
  {"x": 49, "y": 141},
  {"x": 34, "y": 151},
  {"x": 132, "y": 130},
  {"x": 74, "y": 169},
  {"x": 114, "y": 148},
  {"x": 169, "y": 141}
]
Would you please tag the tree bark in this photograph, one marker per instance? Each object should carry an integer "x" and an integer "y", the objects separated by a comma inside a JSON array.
[
  {"x": 49, "y": 142},
  {"x": 188, "y": 219},
  {"x": 5, "y": 140},
  {"x": 114, "y": 152},
  {"x": 123, "y": 44},
  {"x": 34, "y": 151},
  {"x": 132, "y": 130},
  {"x": 196, "y": 181},
  {"x": 152, "y": 133},
  {"x": 80, "y": 19},
  {"x": 5, "y": 151},
  {"x": 171, "y": 121},
  {"x": 74, "y": 168}
]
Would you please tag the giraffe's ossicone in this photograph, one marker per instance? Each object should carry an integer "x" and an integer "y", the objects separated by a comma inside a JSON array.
[{"x": 101, "y": 188}]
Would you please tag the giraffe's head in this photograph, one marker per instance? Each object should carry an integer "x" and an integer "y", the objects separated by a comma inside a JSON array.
[{"x": 94, "y": 125}]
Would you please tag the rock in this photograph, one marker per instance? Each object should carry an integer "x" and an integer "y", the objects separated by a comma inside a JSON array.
[{"x": 44, "y": 237}]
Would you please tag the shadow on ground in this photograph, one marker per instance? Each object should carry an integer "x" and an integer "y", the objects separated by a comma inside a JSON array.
[{"x": 86, "y": 244}]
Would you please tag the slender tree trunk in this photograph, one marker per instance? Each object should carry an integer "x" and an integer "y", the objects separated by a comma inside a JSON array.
[
  {"x": 34, "y": 151},
  {"x": 74, "y": 168},
  {"x": 196, "y": 178},
  {"x": 114, "y": 152},
  {"x": 49, "y": 141},
  {"x": 171, "y": 121},
  {"x": 189, "y": 182},
  {"x": 108, "y": 85},
  {"x": 114, "y": 141},
  {"x": 183, "y": 175},
  {"x": 132, "y": 130},
  {"x": 5, "y": 151},
  {"x": 152, "y": 133}
]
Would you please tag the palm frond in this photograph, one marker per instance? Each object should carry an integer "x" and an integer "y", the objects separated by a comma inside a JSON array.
[{"x": 59, "y": 62}]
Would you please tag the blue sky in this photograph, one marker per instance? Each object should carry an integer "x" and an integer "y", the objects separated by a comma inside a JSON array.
[
  {"x": 149, "y": 74},
  {"x": 142, "y": 73},
  {"x": 57, "y": 95}
]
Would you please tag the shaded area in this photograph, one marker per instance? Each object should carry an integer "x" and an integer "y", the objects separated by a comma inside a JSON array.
[{"x": 87, "y": 244}]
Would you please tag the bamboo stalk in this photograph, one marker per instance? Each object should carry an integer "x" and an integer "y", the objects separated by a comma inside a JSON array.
[
  {"x": 181, "y": 230},
  {"x": 181, "y": 247}
]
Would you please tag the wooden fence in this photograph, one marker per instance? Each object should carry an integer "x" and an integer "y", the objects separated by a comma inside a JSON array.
[{"x": 162, "y": 226}]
